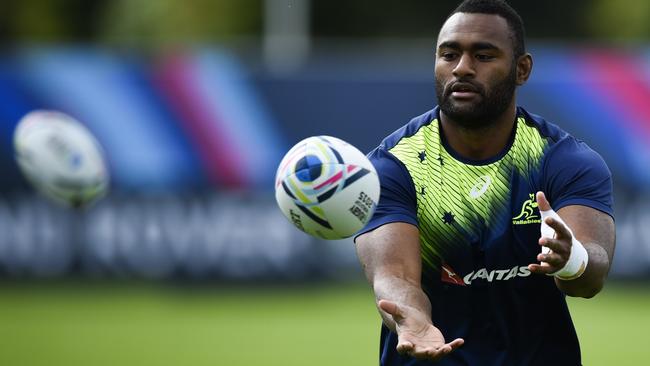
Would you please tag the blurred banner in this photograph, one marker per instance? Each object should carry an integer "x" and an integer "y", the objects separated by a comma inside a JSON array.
[
  {"x": 194, "y": 137},
  {"x": 235, "y": 236}
]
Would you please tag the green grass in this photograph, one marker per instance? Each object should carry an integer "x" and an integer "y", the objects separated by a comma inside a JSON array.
[
  {"x": 613, "y": 326},
  {"x": 142, "y": 324}
]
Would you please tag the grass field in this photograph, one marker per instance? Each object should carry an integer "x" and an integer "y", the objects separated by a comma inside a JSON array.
[{"x": 143, "y": 324}]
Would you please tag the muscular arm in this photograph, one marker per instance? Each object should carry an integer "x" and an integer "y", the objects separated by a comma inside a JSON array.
[
  {"x": 390, "y": 256},
  {"x": 595, "y": 230}
]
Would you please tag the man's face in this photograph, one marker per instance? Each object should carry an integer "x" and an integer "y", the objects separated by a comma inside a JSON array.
[{"x": 475, "y": 69}]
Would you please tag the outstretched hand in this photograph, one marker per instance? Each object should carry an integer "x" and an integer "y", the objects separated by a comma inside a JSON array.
[
  {"x": 558, "y": 245},
  {"x": 417, "y": 337}
]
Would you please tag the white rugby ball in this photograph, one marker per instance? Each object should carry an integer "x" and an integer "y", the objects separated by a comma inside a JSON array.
[
  {"x": 61, "y": 158},
  {"x": 327, "y": 187}
]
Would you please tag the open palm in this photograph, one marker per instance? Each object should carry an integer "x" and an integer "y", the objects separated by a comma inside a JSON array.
[{"x": 417, "y": 336}]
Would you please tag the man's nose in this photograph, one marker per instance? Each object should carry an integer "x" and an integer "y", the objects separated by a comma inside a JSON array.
[{"x": 465, "y": 67}]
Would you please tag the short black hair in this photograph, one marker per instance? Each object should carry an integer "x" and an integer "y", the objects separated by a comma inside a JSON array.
[{"x": 502, "y": 9}]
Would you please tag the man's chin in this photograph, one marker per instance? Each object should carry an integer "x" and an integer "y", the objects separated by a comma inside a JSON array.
[
  {"x": 466, "y": 117},
  {"x": 462, "y": 111}
]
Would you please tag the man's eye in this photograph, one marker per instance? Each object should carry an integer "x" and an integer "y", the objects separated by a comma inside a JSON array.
[
  {"x": 448, "y": 56},
  {"x": 481, "y": 57}
]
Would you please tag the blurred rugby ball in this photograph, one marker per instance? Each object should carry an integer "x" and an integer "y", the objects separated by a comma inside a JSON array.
[
  {"x": 61, "y": 158},
  {"x": 327, "y": 187}
]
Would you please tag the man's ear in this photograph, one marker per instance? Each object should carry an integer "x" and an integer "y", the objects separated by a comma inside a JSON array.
[{"x": 524, "y": 68}]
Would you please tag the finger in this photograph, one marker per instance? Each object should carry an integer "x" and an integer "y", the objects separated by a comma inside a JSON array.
[
  {"x": 542, "y": 203},
  {"x": 405, "y": 347},
  {"x": 561, "y": 231},
  {"x": 456, "y": 343},
  {"x": 555, "y": 245},
  {"x": 552, "y": 259},
  {"x": 431, "y": 353},
  {"x": 391, "y": 308},
  {"x": 436, "y": 353},
  {"x": 543, "y": 268}
]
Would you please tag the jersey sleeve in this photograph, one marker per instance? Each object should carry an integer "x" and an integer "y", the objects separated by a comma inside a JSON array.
[
  {"x": 577, "y": 175},
  {"x": 397, "y": 200}
]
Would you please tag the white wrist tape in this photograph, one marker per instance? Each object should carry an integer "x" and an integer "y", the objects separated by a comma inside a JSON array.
[{"x": 578, "y": 258}]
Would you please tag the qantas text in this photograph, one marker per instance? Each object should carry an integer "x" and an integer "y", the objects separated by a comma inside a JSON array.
[{"x": 496, "y": 274}]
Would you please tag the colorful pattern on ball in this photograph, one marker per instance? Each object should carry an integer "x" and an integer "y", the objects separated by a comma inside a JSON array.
[
  {"x": 309, "y": 168},
  {"x": 313, "y": 172}
]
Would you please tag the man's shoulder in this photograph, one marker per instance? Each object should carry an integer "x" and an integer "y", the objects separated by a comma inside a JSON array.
[
  {"x": 547, "y": 130},
  {"x": 409, "y": 129},
  {"x": 559, "y": 140},
  {"x": 566, "y": 153}
]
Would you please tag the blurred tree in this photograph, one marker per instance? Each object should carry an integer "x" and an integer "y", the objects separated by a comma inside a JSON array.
[
  {"x": 160, "y": 22},
  {"x": 156, "y": 22},
  {"x": 49, "y": 21},
  {"x": 620, "y": 20},
  {"x": 370, "y": 18}
]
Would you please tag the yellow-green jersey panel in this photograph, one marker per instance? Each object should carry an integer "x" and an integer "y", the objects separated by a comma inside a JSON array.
[{"x": 479, "y": 228}]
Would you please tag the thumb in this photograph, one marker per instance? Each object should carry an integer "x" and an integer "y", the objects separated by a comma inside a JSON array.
[
  {"x": 542, "y": 202},
  {"x": 391, "y": 308}
]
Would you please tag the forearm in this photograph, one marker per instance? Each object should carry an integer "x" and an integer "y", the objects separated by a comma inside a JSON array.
[
  {"x": 593, "y": 279},
  {"x": 403, "y": 292},
  {"x": 390, "y": 257},
  {"x": 592, "y": 229}
]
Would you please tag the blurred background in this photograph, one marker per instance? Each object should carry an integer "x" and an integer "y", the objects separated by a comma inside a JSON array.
[{"x": 188, "y": 260}]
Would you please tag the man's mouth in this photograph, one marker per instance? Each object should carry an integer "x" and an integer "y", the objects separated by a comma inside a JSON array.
[{"x": 460, "y": 90}]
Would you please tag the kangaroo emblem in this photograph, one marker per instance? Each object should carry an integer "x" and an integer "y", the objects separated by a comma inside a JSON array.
[{"x": 527, "y": 210}]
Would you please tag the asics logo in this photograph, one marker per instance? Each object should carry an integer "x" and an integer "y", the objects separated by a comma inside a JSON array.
[{"x": 480, "y": 187}]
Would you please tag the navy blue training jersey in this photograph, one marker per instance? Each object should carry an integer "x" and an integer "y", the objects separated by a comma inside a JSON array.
[{"x": 479, "y": 228}]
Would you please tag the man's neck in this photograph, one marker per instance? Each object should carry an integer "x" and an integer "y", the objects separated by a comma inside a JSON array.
[{"x": 479, "y": 143}]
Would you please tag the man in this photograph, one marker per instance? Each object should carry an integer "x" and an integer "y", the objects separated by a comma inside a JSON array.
[{"x": 454, "y": 253}]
